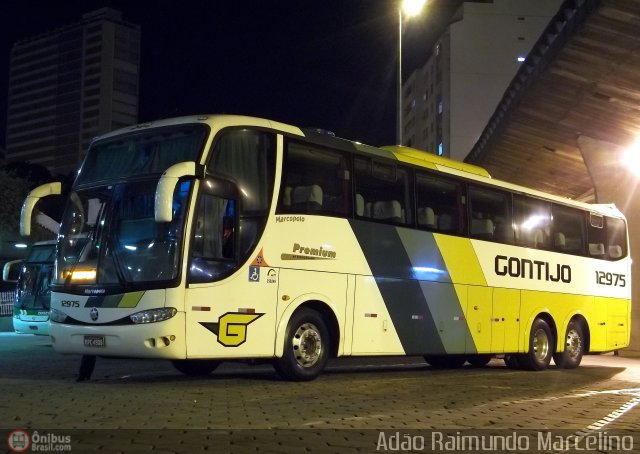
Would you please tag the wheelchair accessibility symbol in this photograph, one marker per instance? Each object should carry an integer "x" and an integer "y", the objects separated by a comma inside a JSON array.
[{"x": 254, "y": 274}]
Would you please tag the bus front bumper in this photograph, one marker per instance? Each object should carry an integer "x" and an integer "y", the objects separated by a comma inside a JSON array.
[{"x": 164, "y": 339}]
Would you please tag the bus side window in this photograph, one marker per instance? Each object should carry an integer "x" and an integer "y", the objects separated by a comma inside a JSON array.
[
  {"x": 568, "y": 230},
  {"x": 212, "y": 245},
  {"x": 596, "y": 236},
  {"x": 616, "y": 238},
  {"x": 247, "y": 158},
  {"x": 490, "y": 213},
  {"x": 438, "y": 200},
  {"x": 384, "y": 191},
  {"x": 315, "y": 181},
  {"x": 532, "y": 218}
]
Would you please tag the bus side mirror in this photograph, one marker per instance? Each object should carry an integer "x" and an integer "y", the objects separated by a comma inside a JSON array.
[
  {"x": 29, "y": 204},
  {"x": 163, "y": 208},
  {"x": 11, "y": 271}
]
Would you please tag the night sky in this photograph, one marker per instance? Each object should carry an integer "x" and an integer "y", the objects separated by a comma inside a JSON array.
[{"x": 323, "y": 63}]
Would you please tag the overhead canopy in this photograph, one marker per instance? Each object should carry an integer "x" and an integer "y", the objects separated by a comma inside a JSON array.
[{"x": 582, "y": 78}]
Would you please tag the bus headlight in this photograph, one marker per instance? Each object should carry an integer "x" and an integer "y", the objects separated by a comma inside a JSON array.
[
  {"x": 153, "y": 315},
  {"x": 57, "y": 316},
  {"x": 86, "y": 276}
]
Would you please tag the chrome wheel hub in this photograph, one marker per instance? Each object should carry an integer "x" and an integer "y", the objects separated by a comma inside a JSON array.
[
  {"x": 540, "y": 345},
  {"x": 307, "y": 345},
  {"x": 574, "y": 344}
]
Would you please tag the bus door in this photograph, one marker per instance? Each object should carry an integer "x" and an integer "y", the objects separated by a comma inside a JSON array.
[{"x": 230, "y": 300}]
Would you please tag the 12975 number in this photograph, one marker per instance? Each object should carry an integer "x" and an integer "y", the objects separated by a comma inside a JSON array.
[{"x": 617, "y": 280}]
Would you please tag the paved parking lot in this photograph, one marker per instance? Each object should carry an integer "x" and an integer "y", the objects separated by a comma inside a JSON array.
[{"x": 146, "y": 406}]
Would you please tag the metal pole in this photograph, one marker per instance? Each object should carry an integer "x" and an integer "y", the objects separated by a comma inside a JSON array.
[{"x": 399, "y": 100}]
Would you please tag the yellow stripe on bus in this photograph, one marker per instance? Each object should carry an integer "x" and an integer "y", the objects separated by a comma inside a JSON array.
[
  {"x": 130, "y": 299},
  {"x": 461, "y": 260}
]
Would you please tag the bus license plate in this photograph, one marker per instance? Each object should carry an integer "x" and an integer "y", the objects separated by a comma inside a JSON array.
[{"x": 94, "y": 341}]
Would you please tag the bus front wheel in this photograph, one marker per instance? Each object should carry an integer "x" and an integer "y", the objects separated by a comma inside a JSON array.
[
  {"x": 195, "y": 367},
  {"x": 541, "y": 344},
  {"x": 306, "y": 347},
  {"x": 571, "y": 357}
]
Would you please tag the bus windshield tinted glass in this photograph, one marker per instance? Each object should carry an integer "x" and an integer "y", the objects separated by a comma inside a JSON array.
[
  {"x": 142, "y": 152},
  {"x": 33, "y": 287},
  {"x": 108, "y": 237}
]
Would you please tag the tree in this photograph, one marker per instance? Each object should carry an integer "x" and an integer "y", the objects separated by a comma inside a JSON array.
[{"x": 14, "y": 189}]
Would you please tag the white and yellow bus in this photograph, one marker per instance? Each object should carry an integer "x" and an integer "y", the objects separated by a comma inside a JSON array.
[
  {"x": 215, "y": 238},
  {"x": 31, "y": 304}
]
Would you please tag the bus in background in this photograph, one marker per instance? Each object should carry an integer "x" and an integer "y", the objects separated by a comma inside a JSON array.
[
  {"x": 216, "y": 238},
  {"x": 33, "y": 293}
]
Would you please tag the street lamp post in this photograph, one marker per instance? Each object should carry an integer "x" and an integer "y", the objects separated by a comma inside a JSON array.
[{"x": 411, "y": 8}]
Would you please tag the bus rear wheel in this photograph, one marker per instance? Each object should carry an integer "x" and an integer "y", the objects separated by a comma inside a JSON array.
[
  {"x": 306, "y": 347},
  {"x": 195, "y": 367},
  {"x": 541, "y": 344},
  {"x": 571, "y": 357},
  {"x": 445, "y": 361}
]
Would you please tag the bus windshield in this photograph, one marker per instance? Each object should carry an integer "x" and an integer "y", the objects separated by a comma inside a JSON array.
[
  {"x": 33, "y": 283},
  {"x": 143, "y": 152},
  {"x": 108, "y": 237}
]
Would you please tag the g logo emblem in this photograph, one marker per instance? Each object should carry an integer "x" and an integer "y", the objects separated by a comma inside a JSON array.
[
  {"x": 94, "y": 314},
  {"x": 231, "y": 328}
]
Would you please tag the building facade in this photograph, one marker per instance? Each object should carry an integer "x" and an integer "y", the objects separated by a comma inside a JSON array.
[
  {"x": 447, "y": 102},
  {"x": 68, "y": 85}
]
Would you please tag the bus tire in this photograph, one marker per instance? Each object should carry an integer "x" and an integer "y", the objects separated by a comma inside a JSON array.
[
  {"x": 571, "y": 357},
  {"x": 306, "y": 347},
  {"x": 445, "y": 361},
  {"x": 541, "y": 344},
  {"x": 195, "y": 367},
  {"x": 479, "y": 360}
]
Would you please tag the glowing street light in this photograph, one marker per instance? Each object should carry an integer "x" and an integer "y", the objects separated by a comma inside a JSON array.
[
  {"x": 631, "y": 158},
  {"x": 410, "y": 8}
]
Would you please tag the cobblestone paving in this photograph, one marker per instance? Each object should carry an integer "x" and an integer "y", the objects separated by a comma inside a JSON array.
[{"x": 146, "y": 406}]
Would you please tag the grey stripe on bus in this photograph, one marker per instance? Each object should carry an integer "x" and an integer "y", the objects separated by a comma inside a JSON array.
[{"x": 402, "y": 294}]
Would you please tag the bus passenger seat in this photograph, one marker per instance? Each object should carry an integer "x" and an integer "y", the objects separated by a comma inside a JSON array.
[
  {"x": 482, "y": 228},
  {"x": 560, "y": 241},
  {"x": 615, "y": 251},
  {"x": 388, "y": 210},
  {"x": 538, "y": 238},
  {"x": 307, "y": 198},
  {"x": 426, "y": 217},
  {"x": 359, "y": 205},
  {"x": 596, "y": 249}
]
